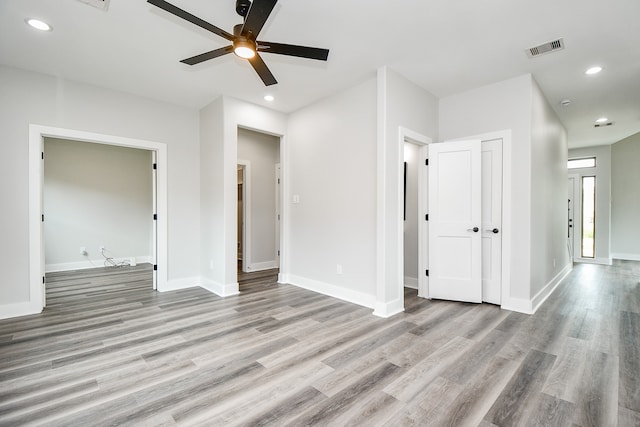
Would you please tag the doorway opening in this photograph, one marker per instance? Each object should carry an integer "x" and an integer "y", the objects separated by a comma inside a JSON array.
[
  {"x": 158, "y": 250},
  {"x": 258, "y": 210}
]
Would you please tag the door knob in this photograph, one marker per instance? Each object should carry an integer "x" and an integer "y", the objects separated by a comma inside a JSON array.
[
  {"x": 474, "y": 229},
  {"x": 494, "y": 231}
]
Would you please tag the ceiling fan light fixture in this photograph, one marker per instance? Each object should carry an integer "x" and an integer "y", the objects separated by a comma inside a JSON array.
[{"x": 244, "y": 48}]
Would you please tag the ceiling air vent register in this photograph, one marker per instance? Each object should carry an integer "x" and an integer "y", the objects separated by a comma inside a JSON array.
[
  {"x": 544, "y": 48},
  {"x": 100, "y": 4}
]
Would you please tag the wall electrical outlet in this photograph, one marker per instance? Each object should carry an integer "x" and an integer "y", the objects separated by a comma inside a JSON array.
[
  {"x": 101, "y": 249},
  {"x": 339, "y": 268},
  {"x": 83, "y": 250}
]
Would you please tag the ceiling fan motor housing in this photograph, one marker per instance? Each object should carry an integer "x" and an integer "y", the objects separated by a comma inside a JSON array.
[{"x": 242, "y": 7}]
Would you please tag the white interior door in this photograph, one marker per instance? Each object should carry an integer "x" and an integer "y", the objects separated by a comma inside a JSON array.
[
  {"x": 455, "y": 269},
  {"x": 491, "y": 228},
  {"x": 154, "y": 223}
]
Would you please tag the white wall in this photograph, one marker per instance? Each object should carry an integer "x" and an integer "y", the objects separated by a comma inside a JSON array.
[
  {"x": 602, "y": 172},
  {"x": 538, "y": 151},
  {"x": 332, "y": 168},
  {"x": 96, "y": 195},
  {"x": 263, "y": 153},
  {"x": 625, "y": 176},
  {"x": 33, "y": 98},
  {"x": 410, "y": 223},
  {"x": 549, "y": 255},
  {"x": 503, "y": 105}
]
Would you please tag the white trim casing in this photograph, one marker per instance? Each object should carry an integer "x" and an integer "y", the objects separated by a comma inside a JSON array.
[
  {"x": 246, "y": 214},
  {"x": 37, "y": 133}
]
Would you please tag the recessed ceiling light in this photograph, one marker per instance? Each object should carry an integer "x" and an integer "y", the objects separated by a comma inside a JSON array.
[
  {"x": 593, "y": 70},
  {"x": 565, "y": 102},
  {"x": 269, "y": 98},
  {"x": 602, "y": 120},
  {"x": 38, "y": 24}
]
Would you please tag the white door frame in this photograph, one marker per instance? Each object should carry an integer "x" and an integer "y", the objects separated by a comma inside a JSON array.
[
  {"x": 278, "y": 212},
  {"x": 37, "y": 133},
  {"x": 407, "y": 135}
]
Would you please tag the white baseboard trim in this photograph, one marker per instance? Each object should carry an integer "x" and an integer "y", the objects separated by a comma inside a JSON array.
[
  {"x": 177, "y": 284},
  {"x": 219, "y": 288},
  {"x": 259, "y": 266},
  {"x": 545, "y": 292},
  {"x": 601, "y": 261},
  {"x": 389, "y": 309},
  {"x": 94, "y": 263},
  {"x": 526, "y": 306},
  {"x": 334, "y": 291},
  {"x": 626, "y": 257},
  {"x": 18, "y": 309},
  {"x": 410, "y": 282}
]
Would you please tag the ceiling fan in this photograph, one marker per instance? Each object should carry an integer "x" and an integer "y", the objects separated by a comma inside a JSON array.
[{"x": 244, "y": 41}]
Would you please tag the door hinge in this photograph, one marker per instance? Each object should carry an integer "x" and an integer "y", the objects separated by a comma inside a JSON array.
[
  {"x": 278, "y": 252},
  {"x": 155, "y": 217},
  {"x": 278, "y": 180},
  {"x": 42, "y": 217},
  {"x": 155, "y": 166},
  {"x": 426, "y": 217},
  {"x": 43, "y": 280},
  {"x": 426, "y": 162},
  {"x": 43, "y": 155},
  {"x": 426, "y": 272},
  {"x": 155, "y": 267}
]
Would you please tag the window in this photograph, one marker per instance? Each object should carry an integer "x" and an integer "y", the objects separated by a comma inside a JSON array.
[
  {"x": 587, "y": 162},
  {"x": 588, "y": 216}
]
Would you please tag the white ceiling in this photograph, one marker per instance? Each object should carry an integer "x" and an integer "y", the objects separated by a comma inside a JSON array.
[{"x": 445, "y": 46}]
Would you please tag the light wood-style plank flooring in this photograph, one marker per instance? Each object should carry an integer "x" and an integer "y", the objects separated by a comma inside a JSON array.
[{"x": 108, "y": 350}]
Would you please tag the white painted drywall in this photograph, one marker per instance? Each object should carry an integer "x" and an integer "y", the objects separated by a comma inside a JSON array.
[
  {"x": 625, "y": 176},
  {"x": 602, "y": 172},
  {"x": 263, "y": 151},
  {"x": 500, "y": 106},
  {"x": 549, "y": 254},
  {"x": 410, "y": 222},
  {"x": 96, "y": 195},
  {"x": 332, "y": 168},
  {"x": 34, "y": 98},
  {"x": 400, "y": 103}
]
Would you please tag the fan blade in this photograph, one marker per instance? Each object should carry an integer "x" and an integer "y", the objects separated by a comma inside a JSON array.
[
  {"x": 293, "y": 50},
  {"x": 208, "y": 55},
  {"x": 263, "y": 71},
  {"x": 191, "y": 18},
  {"x": 256, "y": 17}
]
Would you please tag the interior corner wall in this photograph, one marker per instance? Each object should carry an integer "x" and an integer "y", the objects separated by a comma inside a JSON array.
[
  {"x": 625, "y": 200},
  {"x": 212, "y": 226},
  {"x": 96, "y": 195},
  {"x": 401, "y": 103},
  {"x": 332, "y": 170},
  {"x": 549, "y": 254},
  {"x": 34, "y": 98},
  {"x": 263, "y": 151},
  {"x": 602, "y": 172},
  {"x": 501, "y": 106}
]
